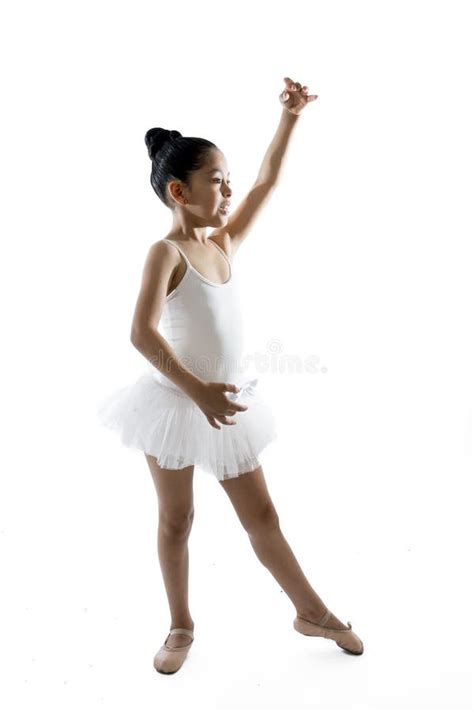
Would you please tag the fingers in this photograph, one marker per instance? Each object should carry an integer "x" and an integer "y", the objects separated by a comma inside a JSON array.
[
  {"x": 233, "y": 406},
  {"x": 229, "y": 411},
  {"x": 296, "y": 87},
  {"x": 238, "y": 406},
  {"x": 291, "y": 85},
  {"x": 222, "y": 419},
  {"x": 285, "y": 94},
  {"x": 232, "y": 409},
  {"x": 212, "y": 422},
  {"x": 225, "y": 420}
]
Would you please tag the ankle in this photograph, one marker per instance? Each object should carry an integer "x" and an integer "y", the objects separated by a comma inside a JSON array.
[
  {"x": 180, "y": 623},
  {"x": 314, "y": 615}
]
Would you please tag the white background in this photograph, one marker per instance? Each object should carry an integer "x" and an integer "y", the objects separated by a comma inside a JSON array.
[{"x": 362, "y": 257}]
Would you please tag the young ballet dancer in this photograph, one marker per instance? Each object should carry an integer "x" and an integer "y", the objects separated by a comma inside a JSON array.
[{"x": 195, "y": 382}]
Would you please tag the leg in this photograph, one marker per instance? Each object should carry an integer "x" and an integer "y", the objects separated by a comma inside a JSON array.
[
  {"x": 174, "y": 489},
  {"x": 252, "y": 502}
]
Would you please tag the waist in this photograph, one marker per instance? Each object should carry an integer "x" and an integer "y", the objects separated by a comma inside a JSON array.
[{"x": 246, "y": 382}]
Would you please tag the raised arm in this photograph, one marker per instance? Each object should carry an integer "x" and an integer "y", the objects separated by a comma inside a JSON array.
[{"x": 293, "y": 99}]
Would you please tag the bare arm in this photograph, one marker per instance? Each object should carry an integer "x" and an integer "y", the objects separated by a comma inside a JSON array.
[
  {"x": 157, "y": 272},
  {"x": 210, "y": 397},
  {"x": 272, "y": 163},
  {"x": 293, "y": 98},
  {"x": 241, "y": 221}
]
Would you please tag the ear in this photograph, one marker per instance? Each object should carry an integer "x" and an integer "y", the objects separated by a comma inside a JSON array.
[{"x": 175, "y": 189}]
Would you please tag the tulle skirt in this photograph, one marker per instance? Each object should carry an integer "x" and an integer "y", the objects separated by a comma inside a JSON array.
[{"x": 164, "y": 422}]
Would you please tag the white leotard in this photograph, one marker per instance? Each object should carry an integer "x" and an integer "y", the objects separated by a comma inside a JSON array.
[{"x": 202, "y": 322}]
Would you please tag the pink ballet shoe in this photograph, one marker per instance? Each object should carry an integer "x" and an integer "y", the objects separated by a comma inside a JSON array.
[
  {"x": 168, "y": 660},
  {"x": 345, "y": 638}
]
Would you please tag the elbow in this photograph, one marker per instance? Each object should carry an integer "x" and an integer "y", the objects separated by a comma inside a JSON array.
[
  {"x": 141, "y": 336},
  {"x": 136, "y": 338}
]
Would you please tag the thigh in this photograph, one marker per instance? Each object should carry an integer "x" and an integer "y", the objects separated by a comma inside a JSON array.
[
  {"x": 174, "y": 488},
  {"x": 251, "y": 499}
]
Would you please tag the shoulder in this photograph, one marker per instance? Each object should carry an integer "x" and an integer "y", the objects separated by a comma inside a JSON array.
[
  {"x": 161, "y": 252},
  {"x": 162, "y": 248},
  {"x": 223, "y": 239}
]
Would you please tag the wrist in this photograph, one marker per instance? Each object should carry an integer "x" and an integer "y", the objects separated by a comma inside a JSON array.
[
  {"x": 193, "y": 385},
  {"x": 288, "y": 114}
]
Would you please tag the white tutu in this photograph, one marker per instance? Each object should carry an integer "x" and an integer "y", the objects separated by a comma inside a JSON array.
[{"x": 164, "y": 422}]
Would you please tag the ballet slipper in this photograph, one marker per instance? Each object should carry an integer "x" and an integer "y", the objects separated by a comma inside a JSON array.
[
  {"x": 168, "y": 660},
  {"x": 345, "y": 638}
]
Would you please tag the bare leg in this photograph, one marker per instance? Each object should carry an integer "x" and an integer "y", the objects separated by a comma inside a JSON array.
[
  {"x": 174, "y": 489},
  {"x": 254, "y": 507}
]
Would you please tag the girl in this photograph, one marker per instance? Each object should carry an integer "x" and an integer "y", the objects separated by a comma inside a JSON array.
[{"x": 173, "y": 412}]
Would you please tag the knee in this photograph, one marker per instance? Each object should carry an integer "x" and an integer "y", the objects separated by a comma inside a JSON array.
[
  {"x": 264, "y": 520},
  {"x": 176, "y": 525}
]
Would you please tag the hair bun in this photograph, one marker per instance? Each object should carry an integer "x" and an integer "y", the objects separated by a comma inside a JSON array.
[{"x": 156, "y": 138}]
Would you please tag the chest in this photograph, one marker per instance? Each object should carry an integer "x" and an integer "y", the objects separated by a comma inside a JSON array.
[{"x": 209, "y": 263}]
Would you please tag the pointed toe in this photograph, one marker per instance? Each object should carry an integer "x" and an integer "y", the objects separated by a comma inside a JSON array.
[{"x": 345, "y": 638}]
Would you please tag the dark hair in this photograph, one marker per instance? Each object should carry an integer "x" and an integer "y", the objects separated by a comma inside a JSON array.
[{"x": 174, "y": 157}]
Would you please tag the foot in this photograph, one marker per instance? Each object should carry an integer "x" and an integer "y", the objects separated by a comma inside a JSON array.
[
  {"x": 330, "y": 628},
  {"x": 316, "y": 615},
  {"x": 172, "y": 654},
  {"x": 176, "y": 640}
]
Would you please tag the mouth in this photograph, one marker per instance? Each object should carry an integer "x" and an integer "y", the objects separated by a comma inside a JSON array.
[{"x": 224, "y": 209}]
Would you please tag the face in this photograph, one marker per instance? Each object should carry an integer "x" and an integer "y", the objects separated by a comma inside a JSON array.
[{"x": 210, "y": 188}]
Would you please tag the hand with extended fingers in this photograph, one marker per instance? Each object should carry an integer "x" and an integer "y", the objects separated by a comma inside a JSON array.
[
  {"x": 295, "y": 97},
  {"x": 210, "y": 397}
]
